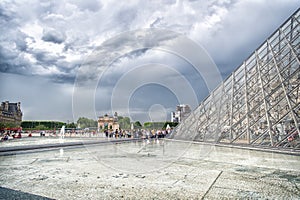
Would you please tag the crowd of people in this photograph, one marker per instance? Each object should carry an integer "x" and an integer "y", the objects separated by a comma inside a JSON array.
[
  {"x": 118, "y": 133},
  {"x": 10, "y": 135},
  {"x": 137, "y": 133}
]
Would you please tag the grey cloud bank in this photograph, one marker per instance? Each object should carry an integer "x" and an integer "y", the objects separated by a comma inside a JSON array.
[{"x": 47, "y": 42}]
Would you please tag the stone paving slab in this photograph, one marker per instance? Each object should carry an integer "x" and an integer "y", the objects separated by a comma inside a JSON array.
[
  {"x": 8, "y": 150},
  {"x": 153, "y": 170},
  {"x": 9, "y": 194}
]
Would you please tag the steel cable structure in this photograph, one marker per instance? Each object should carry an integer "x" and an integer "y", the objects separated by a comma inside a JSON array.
[{"x": 259, "y": 103}]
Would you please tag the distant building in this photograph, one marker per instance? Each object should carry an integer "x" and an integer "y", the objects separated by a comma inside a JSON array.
[
  {"x": 182, "y": 111},
  {"x": 108, "y": 122},
  {"x": 11, "y": 113}
]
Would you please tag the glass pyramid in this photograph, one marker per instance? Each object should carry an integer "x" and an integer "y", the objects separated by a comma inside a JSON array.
[{"x": 259, "y": 103}]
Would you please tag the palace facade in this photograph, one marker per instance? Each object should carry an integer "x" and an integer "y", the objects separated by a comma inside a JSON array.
[{"x": 11, "y": 113}]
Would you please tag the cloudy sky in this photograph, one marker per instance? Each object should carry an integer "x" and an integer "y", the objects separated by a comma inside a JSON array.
[{"x": 66, "y": 59}]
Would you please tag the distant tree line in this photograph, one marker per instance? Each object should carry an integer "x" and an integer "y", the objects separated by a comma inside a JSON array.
[
  {"x": 41, "y": 125},
  {"x": 84, "y": 122},
  {"x": 50, "y": 125}
]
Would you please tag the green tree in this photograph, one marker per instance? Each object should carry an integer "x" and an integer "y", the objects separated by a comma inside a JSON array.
[
  {"x": 148, "y": 124},
  {"x": 120, "y": 117},
  {"x": 171, "y": 124},
  {"x": 137, "y": 124},
  {"x": 11, "y": 125},
  {"x": 154, "y": 125},
  {"x": 31, "y": 125},
  {"x": 71, "y": 125},
  {"x": 85, "y": 122},
  {"x": 41, "y": 127},
  {"x": 124, "y": 122},
  {"x": 2, "y": 125}
]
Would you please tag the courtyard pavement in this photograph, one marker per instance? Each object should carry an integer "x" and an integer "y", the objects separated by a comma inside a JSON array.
[{"x": 157, "y": 169}]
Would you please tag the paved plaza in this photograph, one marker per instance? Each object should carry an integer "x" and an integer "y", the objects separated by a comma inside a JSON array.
[{"x": 157, "y": 169}]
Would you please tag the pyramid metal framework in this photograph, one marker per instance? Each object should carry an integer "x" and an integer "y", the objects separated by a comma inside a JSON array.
[{"x": 259, "y": 103}]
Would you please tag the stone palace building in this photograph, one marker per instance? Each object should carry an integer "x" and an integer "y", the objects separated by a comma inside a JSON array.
[{"x": 10, "y": 113}]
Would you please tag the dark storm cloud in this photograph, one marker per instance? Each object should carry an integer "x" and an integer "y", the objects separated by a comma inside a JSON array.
[
  {"x": 63, "y": 78},
  {"x": 44, "y": 57},
  {"x": 52, "y": 39},
  {"x": 136, "y": 53},
  {"x": 12, "y": 43},
  {"x": 13, "y": 62},
  {"x": 5, "y": 15},
  {"x": 18, "y": 52},
  {"x": 222, "y": 23},
  {"x": 136, "y": 45},
  {"x": 125, "y": 46},
  {"x": 53, "y": 36},
  {"x": 7, "y": 54}
]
